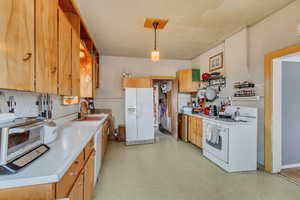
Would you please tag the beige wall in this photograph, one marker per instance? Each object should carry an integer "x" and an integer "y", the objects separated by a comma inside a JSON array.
[
  {"x": 111, "y": 95},
  {"x": 244, "y": 54}
]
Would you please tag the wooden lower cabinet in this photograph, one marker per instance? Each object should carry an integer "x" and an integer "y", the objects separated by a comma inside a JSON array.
[
  {"x": 77, "y": 192},
  {"x": 195, "y": 131},
  {"x": 89, "y": 177},
  {"x": 36, "y": 192}
]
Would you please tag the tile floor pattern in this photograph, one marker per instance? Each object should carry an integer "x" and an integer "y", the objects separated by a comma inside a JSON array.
[{"x": 171, "y": 170}]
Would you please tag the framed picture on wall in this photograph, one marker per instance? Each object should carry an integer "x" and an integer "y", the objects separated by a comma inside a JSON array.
[{"x": 216, "y": 62}]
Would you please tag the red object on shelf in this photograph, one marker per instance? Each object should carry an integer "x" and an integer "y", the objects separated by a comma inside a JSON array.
[
  {"x": 206, "y": 111},
  {"x": 205, "y": 76}
]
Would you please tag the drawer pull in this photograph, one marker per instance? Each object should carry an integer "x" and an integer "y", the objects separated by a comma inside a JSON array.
[{"x": 76, "y": 162}]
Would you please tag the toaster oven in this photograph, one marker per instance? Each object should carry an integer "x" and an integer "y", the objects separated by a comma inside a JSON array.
[{"x": 19, "y": 138}]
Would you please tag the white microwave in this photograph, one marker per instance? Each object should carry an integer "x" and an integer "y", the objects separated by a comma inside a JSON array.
[{"x": 19, "y": 138}]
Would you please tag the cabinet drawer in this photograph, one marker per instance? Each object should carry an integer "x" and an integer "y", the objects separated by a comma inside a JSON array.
[
  {"x": 89, "y": 148},
  {"x": 64, "y": 186}
]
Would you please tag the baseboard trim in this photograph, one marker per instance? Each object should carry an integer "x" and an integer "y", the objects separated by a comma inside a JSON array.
[
  {"x": 128, "y": 143},
  {"x": 290, "y": 166}
]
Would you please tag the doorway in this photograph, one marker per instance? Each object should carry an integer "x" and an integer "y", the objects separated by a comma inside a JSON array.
[
  {"x": 165, "y": 97},
  {"x": 281, "y": 105}
]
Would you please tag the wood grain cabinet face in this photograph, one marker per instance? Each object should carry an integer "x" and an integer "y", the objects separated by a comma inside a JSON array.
[
  {"x": 189, "y": 80},
  {"x": 195, "y": 131},
  {"x": 46, "y": 46},
  {"x": 89, "y": 177},
  {"x": 65, "y": 54},
  {"x": 17, "y": 44},
  {"x": 78, "y": 189},
  {"x": 75, "y": 64}
]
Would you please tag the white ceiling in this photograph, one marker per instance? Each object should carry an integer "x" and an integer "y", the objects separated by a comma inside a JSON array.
[{"x": 194, "y": 25}]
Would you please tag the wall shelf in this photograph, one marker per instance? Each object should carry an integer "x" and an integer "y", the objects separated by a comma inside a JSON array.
[{"x": 253, "y": 98}]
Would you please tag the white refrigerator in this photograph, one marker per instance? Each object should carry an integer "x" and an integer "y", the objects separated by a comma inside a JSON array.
[{"x": 139, "y": 117}]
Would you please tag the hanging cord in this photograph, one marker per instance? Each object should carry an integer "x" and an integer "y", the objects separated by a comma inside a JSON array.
[{"x": 155, "y": 25}]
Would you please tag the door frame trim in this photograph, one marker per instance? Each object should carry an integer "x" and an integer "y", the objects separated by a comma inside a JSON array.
[{"x": 268, "y": 101}]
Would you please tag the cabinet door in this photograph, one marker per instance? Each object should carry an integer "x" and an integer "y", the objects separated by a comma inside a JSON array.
[
  {"x": 77, "y": 192},
  {"x": 17, "y": 44},
  {"x": 65, "y": 54},
  {"x": 199, "y": 132},
  {"x": 89, "y": 177},
  {"x": 75, "y": 64},
  {"x": 192, "y": 130},
  {"x": 46, "y": 46}
]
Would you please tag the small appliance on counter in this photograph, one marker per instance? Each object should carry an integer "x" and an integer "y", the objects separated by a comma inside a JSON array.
[
  {"x": 22, "y": 142},
  {"x": 50, "y": 132}
]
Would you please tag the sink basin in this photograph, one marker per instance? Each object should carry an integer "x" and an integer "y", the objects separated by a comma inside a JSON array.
[{"x": 89, "y": 118}]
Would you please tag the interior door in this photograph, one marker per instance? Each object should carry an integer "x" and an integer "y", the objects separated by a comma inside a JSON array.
[
  {"x": 174, "y": 112},
  {"x": 17, "y": 44},
  {"x": 131, "y": 113},
  {"x": 46, "y": 46},
  {"x": 65, "y": 59},
  {"x": 145, "y": 116}
]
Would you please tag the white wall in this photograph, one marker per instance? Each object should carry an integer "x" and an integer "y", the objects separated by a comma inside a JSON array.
[
  {"x": 244, "y": 54},
  {"x": 26, "y": 106},
  {"x": 111, "y": 94}
]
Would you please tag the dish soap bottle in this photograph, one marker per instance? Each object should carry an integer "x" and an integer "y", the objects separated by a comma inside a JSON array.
[{"x": 237, "y": 114}]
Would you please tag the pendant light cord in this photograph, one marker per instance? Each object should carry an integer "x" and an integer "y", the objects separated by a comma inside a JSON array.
[{"x": 155, "y": 25}]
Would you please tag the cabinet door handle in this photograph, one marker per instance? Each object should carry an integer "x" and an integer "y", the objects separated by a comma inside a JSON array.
[
  {"x": 70, "y": 76},
  {"x": 53, "y": 70},
  {"x": 27, "y": 57}
]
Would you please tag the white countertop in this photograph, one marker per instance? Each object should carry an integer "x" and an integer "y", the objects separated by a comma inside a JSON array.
[
  {"x": 215, "y": 119},
  {"x": 72, "y": 138}
]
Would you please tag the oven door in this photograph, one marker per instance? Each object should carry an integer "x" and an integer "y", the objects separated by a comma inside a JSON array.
[
  {"x": 220, "y": 148},
  {"x": 20, "y": 140}
]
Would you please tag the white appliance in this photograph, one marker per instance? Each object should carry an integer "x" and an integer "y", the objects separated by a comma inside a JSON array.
[
  {"x": 98, "y": 156},
  {"x": 139, "y": 117},
  {"x": 50, "y": 132},
  {"x": 232, "y": 145}
]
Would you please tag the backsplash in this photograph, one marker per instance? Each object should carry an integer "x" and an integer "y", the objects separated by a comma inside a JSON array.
[{"x": 26, "y": 104}]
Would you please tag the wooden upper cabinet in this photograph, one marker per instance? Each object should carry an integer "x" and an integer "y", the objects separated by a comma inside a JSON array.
[
  {"x": 46, "y": 46},
  {"x": 17, "y": 44},
  {"x": 65, "y": 54},
  {"x": 86, "y": 73},
  {"x": 75, "y": 64},
  {"x": 189, "y": 80},
  {"x": 137, "y": 82}
]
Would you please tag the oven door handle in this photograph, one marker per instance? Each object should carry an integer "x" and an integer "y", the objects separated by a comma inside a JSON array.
[{"x": 23, "y": 129}]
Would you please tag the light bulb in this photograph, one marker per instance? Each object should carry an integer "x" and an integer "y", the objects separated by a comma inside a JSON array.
[{"x": 155, "y": 55}]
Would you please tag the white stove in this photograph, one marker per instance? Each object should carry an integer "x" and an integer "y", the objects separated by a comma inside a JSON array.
[{"x": 232, "y": 146}]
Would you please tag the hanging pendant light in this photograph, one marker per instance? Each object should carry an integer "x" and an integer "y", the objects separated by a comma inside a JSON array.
[{"x": 155, "y": 56}]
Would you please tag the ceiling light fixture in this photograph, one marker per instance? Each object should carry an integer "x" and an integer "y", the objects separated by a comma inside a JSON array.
[
  {"x": 155, "y": 24},
  {"x": 155, "y": 53}
]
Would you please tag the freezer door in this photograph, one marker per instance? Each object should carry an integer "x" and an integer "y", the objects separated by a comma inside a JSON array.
[
  {"x": 145, "y": 116},
  {"x": 131, "y": 114}
]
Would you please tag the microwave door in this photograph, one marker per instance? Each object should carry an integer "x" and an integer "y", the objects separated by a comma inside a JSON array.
[{"x": 19, "y": 143}]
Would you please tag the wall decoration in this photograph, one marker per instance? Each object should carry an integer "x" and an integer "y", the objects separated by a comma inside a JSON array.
[{"x": 216, "y": 62}]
